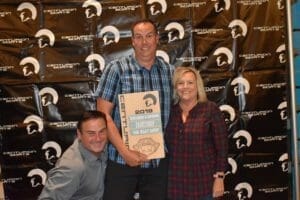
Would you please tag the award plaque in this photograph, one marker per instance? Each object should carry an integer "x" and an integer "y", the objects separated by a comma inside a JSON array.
[{"x": 141, "y": 123}]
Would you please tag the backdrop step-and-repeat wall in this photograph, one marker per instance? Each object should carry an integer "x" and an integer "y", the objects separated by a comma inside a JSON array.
[{"x": 53, "y": 51}]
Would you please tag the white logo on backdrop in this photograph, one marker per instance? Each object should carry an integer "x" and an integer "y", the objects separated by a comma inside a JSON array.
[
  {"x": 30, "y": 66},
  {"x": 221, "y": 5},
  {"x": 281, "y": 51},
  {"x": 282, "y": 107},
  {"x": 244, "y": 139},
  {"x": 280, "y": 4},
  {"x": 241, "y": 86},
  {"x": 156, "y": 11},
  {"x": 175, "y": 31},
  {"x": 220, "y": 53},
  {"x": 92, "y": 8},
  {"x": 45, "y": 38},
  {"x": 37, "y": 177},
  {"x": 48, "y": 96},
  {"x": 110, "y": 34},
  {"x": 52, "y": 151},
  {"x": 232, "y": 163},
  {"x": 244, "y": 191},
  {"x": 24, "y": 8},
  {"x": 94, "y": 69},
  {"x": 238, "y": 28},
  {"x": 34, "y": 124},
  {"x": 164, "y": 55},
  {"x": 284, "y": 162},
  {"x": 229, "y": 113}
]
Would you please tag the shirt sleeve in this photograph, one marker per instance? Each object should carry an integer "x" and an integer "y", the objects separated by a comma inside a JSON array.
[
  {"x": 108, "y": 87},
  {"x": 220, "y": 135},
  {"x": 63, "y": 181}
]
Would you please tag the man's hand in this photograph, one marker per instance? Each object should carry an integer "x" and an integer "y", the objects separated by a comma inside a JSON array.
[{"x": 134, "y": 158}]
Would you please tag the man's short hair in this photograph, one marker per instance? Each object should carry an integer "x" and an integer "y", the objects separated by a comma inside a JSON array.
[
  {"x": 90, "y": 114},
  {"x": 144, "y": 21}
]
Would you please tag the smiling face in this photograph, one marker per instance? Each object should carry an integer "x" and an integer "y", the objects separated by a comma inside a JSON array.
[
  {"x": 144, "y": 42},
  {"x": 93, "y": 135},
  {"x": 186, "y": 87}
]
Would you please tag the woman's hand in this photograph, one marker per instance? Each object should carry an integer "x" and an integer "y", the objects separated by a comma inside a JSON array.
[{"x": 218, "y": 187}]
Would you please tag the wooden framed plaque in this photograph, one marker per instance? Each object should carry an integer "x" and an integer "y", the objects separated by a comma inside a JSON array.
[{"x": 141, "y": 123}]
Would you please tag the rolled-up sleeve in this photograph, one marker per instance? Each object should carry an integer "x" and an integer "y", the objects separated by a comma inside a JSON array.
[{"x": 108, "y": 86}]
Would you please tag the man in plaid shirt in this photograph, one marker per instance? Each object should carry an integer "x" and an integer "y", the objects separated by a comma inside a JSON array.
[{"x": 140, "y": 72}]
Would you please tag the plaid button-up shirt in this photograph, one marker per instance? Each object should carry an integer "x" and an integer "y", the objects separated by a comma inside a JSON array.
[
  {"x": 197, "y": 149},
  {"x": 125, "y": 75}
]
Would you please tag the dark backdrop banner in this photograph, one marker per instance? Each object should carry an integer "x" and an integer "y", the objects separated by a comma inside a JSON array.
[{"x": 52, "y": 53}]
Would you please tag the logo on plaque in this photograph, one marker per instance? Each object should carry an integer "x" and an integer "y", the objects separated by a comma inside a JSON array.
[{"x": 141, "y": 123}]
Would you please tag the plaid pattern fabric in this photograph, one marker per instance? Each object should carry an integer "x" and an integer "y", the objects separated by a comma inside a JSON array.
[
  {"x": 197, "y": 149},
  {"x": 125, "y": 75}
]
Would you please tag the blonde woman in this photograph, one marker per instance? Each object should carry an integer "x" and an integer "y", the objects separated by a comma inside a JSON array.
[{"x": 196, "y": 136}]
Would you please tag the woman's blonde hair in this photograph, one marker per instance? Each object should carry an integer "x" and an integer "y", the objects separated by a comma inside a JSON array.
[{"x": 179, "y": 71}]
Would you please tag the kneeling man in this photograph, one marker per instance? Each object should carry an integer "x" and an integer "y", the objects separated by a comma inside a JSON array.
[{"x": 79, "y": 173}]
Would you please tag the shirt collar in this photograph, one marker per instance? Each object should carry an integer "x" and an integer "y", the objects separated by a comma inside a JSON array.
[
  {"x": 193, "y": 111},
  {"x": 89, "y": 155},
  {"x": 139, "y": 67}
]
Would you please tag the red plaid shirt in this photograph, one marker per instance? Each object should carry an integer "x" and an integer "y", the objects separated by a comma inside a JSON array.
[{"x": 197, "y": 149}]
